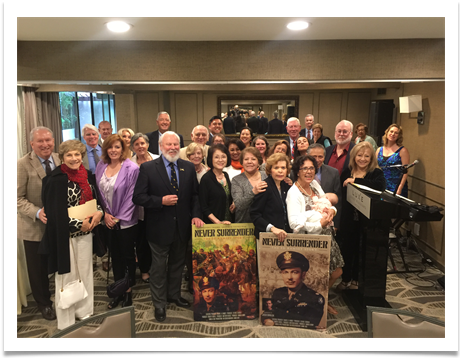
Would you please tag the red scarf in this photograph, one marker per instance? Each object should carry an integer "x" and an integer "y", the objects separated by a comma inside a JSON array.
[
  {"x": 80, "y": 177},
  {"x": 236, "y": 165}
]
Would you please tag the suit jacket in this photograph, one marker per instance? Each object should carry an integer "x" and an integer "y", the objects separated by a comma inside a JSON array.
[
  {"x": 85, "y": 162},
  {"x": 263, "y": 125},
  {"x": 275, "y": 126},
  {"x": 154, "y": 142},
  {"x": 29, "y": 196},
  {"x": 254, "y": 124},
  {"x": 269, "y": 208},
  {"x": 100, "y": 142},
  {"x": 303, "y": 133},
  {"x": 330, "y": 183},
  {"x": 229, "y": 125},
  {"x": 212, "y": 197},
  {"x": 153, "y": 183},
  {"x": 330, "y": 150}
]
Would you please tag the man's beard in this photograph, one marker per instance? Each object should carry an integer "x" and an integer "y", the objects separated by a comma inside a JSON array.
[
  {"x": 171, "y": 158},
  {"x": 344, "y": 141}
]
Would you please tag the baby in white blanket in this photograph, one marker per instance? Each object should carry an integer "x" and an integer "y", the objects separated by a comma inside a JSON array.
[{"x": 319, "y": 210}]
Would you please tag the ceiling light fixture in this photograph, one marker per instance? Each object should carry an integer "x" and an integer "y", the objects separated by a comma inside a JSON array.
[
  {"x": 298, "y": 25},
  {"x": 118, "y": 26}
]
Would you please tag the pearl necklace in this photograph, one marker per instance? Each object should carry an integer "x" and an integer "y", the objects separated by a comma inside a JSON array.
[{"x": 303, "y": 190}]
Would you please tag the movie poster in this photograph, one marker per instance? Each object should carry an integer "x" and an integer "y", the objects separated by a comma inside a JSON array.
[
  {"x": 225, "y": 272},
  {"x": 294, "y": 280}
]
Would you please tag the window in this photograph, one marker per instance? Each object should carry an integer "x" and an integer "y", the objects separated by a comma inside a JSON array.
[{"x": 80, "y": 108}]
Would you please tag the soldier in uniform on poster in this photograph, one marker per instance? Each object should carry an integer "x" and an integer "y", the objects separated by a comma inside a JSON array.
[
  {"x": 295, "y": 301},
  {"x": 210, "y": 299}
]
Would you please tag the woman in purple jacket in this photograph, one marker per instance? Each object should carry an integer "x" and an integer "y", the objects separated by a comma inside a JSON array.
[{"x": 116, "y": 176}]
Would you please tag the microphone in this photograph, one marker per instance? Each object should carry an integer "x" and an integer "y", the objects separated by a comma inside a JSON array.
[
  {"x": 407, "y": 166},
  {"x": 412, "y": 164}
]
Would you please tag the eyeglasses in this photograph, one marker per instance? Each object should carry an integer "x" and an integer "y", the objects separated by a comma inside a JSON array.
[
  {"x": 306, "y": 169},
  {"x": 342, "y": 132}
]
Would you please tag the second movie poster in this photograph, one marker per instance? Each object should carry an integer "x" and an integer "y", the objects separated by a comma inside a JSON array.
[{"x": 225, "y": 272}]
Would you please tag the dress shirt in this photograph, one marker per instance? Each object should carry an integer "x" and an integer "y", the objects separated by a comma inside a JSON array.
[
  {"x": 160, "y": 135},
  {"x": 309, "y": 133},
  {"x": 336, "y": 161},
  {"x": 52, "y": 166},
  {"x": 318, "y": 175},
  {"x": 169, "y": 170},
  {"x": 91, "y": 159}
]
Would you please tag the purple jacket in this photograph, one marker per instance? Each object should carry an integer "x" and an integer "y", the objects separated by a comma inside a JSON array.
[{"x": 122, "y": 204}]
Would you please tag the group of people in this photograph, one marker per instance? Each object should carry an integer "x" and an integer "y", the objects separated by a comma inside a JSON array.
[{"x": 150, "y": 190}]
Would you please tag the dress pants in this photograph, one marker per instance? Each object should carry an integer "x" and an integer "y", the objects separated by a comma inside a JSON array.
[
  {"x": 83, "y": 246},
  {"x": 166, "y": 270},
  {"x": 122, "y": 246},
  {"x": 350, "y": 251},
  {"x": 37, "y": 268},
  {"x": 143, "y": 252}
]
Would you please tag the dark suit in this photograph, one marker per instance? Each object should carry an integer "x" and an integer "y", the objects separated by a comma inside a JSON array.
[
  {"x": 154, "y": 142},
  {"x": 330, "y": 150},
  {"x": 330, "y": 183},
  {"x": 213, "y": 197},
  {"x": 254, "y": 124},
  {"x": 168, "y": 228},
  {"x": 229, "y": 125},
  {"x": 275, "y": 126},
  {"x": 303, "y": 133},
  {"x": 263, "y": 125},
  {"x": 268, "y": 208}
]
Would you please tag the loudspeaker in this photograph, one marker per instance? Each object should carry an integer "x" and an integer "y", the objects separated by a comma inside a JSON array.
[
  {"x": 290, "y": 111},
  {"x": 380, "y": 118}
]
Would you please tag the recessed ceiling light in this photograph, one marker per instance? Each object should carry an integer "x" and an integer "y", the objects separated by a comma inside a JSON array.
[
  {"x": 298, "y": 25},
  {"x": 118, "y": 26}
]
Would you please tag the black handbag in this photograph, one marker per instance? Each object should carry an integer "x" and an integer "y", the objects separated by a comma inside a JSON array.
[{"x": 119, "y": 287}]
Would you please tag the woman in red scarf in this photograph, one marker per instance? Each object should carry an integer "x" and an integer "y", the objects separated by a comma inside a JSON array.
[
  {"x": 235, "y": 146},
  {"x": 68, "y": 241}
]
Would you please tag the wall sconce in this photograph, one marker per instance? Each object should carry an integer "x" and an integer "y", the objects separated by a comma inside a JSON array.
[{"x": 411, "y": 104}]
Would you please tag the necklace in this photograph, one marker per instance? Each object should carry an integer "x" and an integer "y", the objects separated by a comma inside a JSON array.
[
  {"x": 220, "y": 179},
  {"x": 303, "y": 190}
]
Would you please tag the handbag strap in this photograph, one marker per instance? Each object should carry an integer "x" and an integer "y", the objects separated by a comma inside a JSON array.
[{"x": 76, "y": 265}]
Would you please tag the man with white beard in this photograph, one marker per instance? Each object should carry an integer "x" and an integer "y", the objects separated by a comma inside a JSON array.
[
  {"x": 168, "y": 219},
  {"x": 338, "y": 155}
]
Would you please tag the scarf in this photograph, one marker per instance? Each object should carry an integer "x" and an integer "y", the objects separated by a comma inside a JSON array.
[
  {"x": 80, "y": 177},
  {"x": 236, "y": 165}
]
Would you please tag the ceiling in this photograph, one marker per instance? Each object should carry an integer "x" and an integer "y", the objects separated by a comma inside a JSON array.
[{"x": 228, "y": 29}]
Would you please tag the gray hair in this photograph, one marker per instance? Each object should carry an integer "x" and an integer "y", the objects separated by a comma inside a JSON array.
[
  {"x": 314, "y": 146},
  {"x": 137, "y": 136},
  {"x": 163, "y": 112},
  {"x": 36, "y": 129},
  {"x": 168, "y": 132},
  {"x": 292, "y": 119},
  {"x": 275, "y": 114},
  {"x": 309, "y": 115},
  {"x": 200, "y": 125},
  {"x": 347, "y": 122},
  {"x": 89, "y": 126}
]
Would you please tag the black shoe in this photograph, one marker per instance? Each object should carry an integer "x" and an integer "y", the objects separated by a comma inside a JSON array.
[
  {"x": 115, "y": 302},
  {"x": 48, "y": 313},
  {"x": 159, "y": 314},
  {"x": 127, "y": 301},
  {"x": 180, "y": 302}
]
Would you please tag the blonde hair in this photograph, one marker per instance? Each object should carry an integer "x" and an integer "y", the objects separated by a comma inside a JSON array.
[
  {"x": 122, "y": 130},
  {"x": 400, "y": 139},
  {"x": 358, "y": 148},
  {"x": 191, "y": 149}
]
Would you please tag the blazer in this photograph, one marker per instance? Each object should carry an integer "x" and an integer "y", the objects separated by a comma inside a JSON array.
[
  {"x": 123, "y": 207},
  {"x": 153, "y": 183},
  {"x": 29, "y": 199},
  {"x": 254, "y": 124},
  {"x": 330, "y": 183},
  {"x": 100, "y": 142},
  {"x": 213, "y": 197},
  {"x": 85, "y": 162},
  {"x": 275, "y": 126},
  {"x": 243, "y": 196},
  {"x": 303, "y": 133},
  {"x": 374, "y": 179},
  {"x": 154, "y": 142},
  {"x": 268, "y": 208},
  {"x": 55, "y": 242},
  {"x": 229, "y": 125},
  {"x": 263, "y": 125},
  {"x": 330, "y": 150}
]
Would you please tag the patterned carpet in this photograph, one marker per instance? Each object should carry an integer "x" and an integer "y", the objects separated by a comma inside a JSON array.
[{"x": 414, "y": 292}]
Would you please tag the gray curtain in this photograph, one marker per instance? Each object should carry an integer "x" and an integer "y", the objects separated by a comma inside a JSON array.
[
  {"x": 30, "y": 113},
  {"x": 49, "y": 114}
]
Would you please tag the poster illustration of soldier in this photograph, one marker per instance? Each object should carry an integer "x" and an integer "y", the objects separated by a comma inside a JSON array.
[
  {"x": 225, "y": 272},
  {"x": 294, "y": 280}
]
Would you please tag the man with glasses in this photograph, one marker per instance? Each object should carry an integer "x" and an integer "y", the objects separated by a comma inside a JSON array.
[
  {"x": 338, "y": 155},
  {"x": 163, "y": 123}
]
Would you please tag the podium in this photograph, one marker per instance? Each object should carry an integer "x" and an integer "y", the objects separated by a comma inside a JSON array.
[{"x": 376, "y": 211}]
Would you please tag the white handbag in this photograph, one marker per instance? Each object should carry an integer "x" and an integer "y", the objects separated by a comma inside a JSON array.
[{"x": 74, "y": 291}]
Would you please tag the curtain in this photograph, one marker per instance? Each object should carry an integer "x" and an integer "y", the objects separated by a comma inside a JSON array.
[
  {"x": 30, "y": 114},
  {"x": 21, "y": 134},
  {"x": 49, "y": 114}
]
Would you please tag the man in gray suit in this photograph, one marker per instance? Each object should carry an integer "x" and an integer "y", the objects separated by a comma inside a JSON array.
[
  {"x": 32, "y": 168},
  {"x": 328, "y": 177}
]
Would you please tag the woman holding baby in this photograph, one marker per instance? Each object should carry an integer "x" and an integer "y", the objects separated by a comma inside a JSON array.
[
  {"x": 303, "y": 218},
  {"x": 363, "y": 169}
]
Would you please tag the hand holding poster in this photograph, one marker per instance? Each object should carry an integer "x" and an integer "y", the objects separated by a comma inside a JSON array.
[
  {"x": 294, "y": 280},
  {"x": 225, "y": 272}
]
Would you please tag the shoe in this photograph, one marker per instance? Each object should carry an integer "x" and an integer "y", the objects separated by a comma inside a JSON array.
[
  {"x": 106, "y": 266},
  {"x": 127, "y": 301},
  {"x": 145, "y": 280},
  {"x": 159, "y": 314},
  {"x": 343, "y": 286},
  {"x": 115, "y": 302},
  {"x": 353, "y": 285},
  {"x": 48, "y": 313},
  {"x": 180, "y": 302}
]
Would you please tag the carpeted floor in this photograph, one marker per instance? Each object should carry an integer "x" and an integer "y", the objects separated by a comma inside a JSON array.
[{"x": 414, "y": 292}]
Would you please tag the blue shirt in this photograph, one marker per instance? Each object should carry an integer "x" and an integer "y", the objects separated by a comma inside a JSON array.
[
  {"x": 91, "y": 158},
  {"x": 169, "y": 170},
  {"x": 52, "y": 163}
]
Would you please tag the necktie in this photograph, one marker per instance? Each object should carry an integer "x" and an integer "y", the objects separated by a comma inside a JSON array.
[
  {"x": 47, "y": 167},
  {"x": 173, "y": 179},
  {"x": 293, "y": 151},
  {"x": 95, "y": 157},
  {"x": 310, "y": 136}
]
